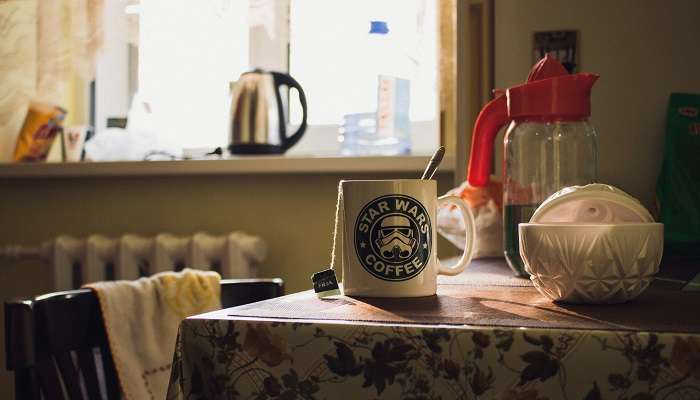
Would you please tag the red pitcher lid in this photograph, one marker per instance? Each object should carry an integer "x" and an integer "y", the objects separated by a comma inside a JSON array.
[
  {"x": 550, "y": 94},
  {"x": 561, "y": 97}
]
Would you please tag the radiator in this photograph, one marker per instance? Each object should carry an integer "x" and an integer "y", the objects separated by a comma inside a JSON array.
[{"x": 76, "y": 261}]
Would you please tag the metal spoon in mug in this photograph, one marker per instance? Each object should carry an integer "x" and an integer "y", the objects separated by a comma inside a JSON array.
[{"x": 434, "y": 163}]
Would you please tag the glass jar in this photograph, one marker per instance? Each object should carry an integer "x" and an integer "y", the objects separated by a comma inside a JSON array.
[{"x": 541, "y": 157}]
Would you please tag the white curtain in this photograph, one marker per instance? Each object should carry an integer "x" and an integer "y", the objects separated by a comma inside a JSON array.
[{"x": 47, "y": 52}]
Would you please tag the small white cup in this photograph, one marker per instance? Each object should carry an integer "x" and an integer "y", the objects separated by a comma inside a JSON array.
[
  {"x": 390, "y": 238},
  {"x": 73, "y": 141}
]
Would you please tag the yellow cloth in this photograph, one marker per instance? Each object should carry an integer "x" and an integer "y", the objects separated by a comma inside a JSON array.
[{"x": 141, "y": 319}]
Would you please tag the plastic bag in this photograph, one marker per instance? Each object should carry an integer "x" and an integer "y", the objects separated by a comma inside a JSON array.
[
  {"x": 116, "y": 144},
  {"x": 486, "y": 204},
  {"x": 134, "y": 143}
]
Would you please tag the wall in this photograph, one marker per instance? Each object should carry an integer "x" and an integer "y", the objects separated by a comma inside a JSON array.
[
  {"x": 293, "y": 213},
  {"x": 643, "y": 50}
]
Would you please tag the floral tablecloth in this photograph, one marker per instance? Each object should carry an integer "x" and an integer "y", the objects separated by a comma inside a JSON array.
[
  {"x": 248, "y": 359},
  {"x": 484, "y": 336}
]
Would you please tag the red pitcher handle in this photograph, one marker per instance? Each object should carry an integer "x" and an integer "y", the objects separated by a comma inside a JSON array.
[{"x": 490, "y": 120}]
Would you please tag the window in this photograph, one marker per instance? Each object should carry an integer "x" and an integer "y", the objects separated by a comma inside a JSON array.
[
  {"x": 188, "y": 52},
  {"x": 331, "y": 54}
]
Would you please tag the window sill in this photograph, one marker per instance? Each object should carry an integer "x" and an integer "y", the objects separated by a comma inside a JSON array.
[{"x": 231, "y": 166}]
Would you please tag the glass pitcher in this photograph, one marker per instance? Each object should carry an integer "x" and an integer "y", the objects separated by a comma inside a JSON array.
[
  {"x": 541, "y": 157},
  {"x": 549, "y": 144}
]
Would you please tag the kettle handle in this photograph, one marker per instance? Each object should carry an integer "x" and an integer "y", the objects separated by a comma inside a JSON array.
[
  {"x": 490, "y": 120},
  {"x": 285, "y": 79}
]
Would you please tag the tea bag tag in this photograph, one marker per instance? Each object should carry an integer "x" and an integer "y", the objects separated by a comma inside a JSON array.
[{"x": 325, "y": 282}]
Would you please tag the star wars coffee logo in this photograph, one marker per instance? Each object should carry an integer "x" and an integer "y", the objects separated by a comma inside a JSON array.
[{"x": 393, "y": 237}]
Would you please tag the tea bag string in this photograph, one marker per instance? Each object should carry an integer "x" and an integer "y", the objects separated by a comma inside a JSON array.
[{"x": 336, "y": 225}]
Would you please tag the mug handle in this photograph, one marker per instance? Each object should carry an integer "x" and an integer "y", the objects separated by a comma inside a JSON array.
[{"x": 470, "y": 231}]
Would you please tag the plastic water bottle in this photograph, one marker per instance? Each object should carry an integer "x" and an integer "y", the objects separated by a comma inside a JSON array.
[{"x": 390, "y": 132}]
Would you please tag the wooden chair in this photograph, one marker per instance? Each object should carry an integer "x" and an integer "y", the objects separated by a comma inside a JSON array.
[{"x": 57, "y": 341}]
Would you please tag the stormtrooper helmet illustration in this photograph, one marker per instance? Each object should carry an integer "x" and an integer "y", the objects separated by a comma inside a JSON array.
[{"x": 395, "y": 238}]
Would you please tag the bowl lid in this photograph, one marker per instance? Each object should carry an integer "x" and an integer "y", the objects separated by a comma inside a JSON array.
[{"x": 594, "y": 203}]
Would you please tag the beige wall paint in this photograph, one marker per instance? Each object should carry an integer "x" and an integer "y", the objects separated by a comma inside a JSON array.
[
  {"x": 643, "y": 50},
  {"x": 293, "y": 213}
]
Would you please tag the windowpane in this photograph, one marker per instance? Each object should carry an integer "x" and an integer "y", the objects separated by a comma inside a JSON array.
[
  {"x": 189, "y": 51},
  {"x": 338, "y": 62}
]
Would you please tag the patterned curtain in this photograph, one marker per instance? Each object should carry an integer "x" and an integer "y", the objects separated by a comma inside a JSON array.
[{"x": 47, "y": 53}]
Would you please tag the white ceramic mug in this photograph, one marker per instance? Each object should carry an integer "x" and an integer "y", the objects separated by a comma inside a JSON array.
[{"x": 390, "y": 237}]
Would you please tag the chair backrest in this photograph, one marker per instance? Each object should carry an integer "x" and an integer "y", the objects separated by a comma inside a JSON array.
[{"x": 57, "y": 346}]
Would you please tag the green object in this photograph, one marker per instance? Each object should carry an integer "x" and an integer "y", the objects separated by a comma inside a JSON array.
[
  {"x": 678, "y": 188},
  {"x": 513, "y": 215}
]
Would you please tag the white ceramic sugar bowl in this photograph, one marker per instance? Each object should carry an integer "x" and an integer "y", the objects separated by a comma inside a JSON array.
[{"x": 591, "y": 244}]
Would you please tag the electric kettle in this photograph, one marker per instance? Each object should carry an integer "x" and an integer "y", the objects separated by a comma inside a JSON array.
[
  {"x": 258, "y": 123},
  {"x": 549, "y": 144}
]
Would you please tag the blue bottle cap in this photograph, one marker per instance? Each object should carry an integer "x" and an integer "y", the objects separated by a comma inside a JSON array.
[{"x": 378, "y": 27}]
